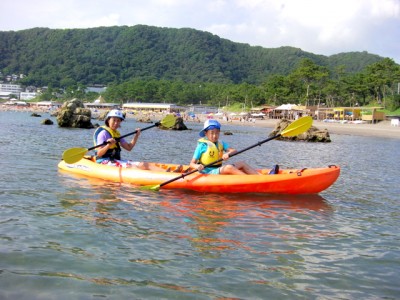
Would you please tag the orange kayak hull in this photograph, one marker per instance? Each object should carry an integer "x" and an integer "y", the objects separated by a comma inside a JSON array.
[{"x": 288, "y": 181}]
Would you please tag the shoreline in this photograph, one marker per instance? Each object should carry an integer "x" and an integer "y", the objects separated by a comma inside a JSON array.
[{"x": 382, "y": 129}]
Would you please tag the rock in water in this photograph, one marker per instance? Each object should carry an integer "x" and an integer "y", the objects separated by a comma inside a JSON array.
[
  {"x": 179, "y": 125},
  {"x": 311, "y": 135},
  {"x": 74, "y": 114},
  {"x": 47, "y": 122}
]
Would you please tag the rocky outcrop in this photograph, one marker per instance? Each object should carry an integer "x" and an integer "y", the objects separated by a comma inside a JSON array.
[
  {"x": 74, "y": 114},
  {"x": 47, "y": 122},
  {"x": 312, "y": 135},
  {"x": 145, "y": 120},
  {"x": 179, "y": 125}
]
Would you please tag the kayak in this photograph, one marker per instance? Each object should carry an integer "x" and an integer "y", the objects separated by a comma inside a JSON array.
[{"x": 287, "y": 181}]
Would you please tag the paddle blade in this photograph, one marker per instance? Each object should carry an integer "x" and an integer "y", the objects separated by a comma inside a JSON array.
[
  {"x": 155, "y": 188},
  {"x": 73, "y": 155},
  {"x": 297, "y": 127},
  {"x": 168, "y": 121}
]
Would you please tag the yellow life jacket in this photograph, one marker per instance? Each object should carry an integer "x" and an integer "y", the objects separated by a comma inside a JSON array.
[
  {"x": 213, "y": 153},
  {"x": 114, "y": 152}
]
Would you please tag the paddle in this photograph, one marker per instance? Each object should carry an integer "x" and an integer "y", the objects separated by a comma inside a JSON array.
[
  {"x": 74, "y": 155},
  {"x": 295, "y": 128}
]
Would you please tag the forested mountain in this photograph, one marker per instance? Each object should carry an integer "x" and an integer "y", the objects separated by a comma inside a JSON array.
[{"x": 104, "y": 55}]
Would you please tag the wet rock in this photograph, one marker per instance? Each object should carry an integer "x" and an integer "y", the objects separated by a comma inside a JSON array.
[
  {"x": 179, "y": 125},
  {"x": 35, "y": 115},
  {"x": 54, "y": 113},
  {"x": 228, "y": 133},
  {"x": 312, "y": 135},
  {"x": 145, "y": 120},
  {"x": 47, "y": 122},
  {"x": 74, "y": 114}
]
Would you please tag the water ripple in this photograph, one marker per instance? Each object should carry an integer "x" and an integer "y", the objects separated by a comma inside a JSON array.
[{"x": 64, "y": 236}]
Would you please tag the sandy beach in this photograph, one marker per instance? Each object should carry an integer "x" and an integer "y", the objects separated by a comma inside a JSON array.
[{"x": 381, "y": 129}]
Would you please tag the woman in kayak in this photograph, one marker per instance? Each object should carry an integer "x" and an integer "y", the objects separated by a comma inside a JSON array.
[
  {"x": 209, "y": 149},
  {"x": 111, "y": 152}
]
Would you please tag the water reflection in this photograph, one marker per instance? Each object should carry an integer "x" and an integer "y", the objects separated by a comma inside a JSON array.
[
  {"x": 90, "y": 199},
  {"x": 225, "y": 222},
  {"x": 210, "y": 222}
]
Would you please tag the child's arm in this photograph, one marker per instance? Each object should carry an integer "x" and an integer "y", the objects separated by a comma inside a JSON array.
[
  {"x": 228, "y": 152},
  {"x": 195, "y": 165}
]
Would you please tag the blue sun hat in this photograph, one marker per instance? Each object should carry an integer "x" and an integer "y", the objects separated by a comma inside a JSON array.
[{"x": 208, "y": 125}]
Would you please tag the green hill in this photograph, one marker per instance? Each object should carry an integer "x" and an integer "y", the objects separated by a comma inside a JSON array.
[{"x": 107, "y": 55}]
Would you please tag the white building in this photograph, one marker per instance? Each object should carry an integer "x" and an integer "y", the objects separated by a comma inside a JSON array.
[
  {"x": 96, "y": 88},
  {"x": 154, "y": 107},
  {"x": 13, "y": 88},
  {"x": 46, "y": 104},
  {"x": 27, "y": 96},
  {"x": 7, "y": 89}
]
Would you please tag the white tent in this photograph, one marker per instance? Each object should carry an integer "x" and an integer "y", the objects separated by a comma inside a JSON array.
[
  {"x": 290, "y": 111},
  {"x": 258, "y": 115},
  {"x": 288, "y": 107}
]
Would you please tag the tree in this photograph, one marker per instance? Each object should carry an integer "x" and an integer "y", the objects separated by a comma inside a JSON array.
[
  {"x": 382, "y": 78},
  {"x": 310, "y": 74}
]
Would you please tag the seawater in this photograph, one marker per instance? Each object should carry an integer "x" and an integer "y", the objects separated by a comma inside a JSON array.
[{"x": 69, "y": 237}]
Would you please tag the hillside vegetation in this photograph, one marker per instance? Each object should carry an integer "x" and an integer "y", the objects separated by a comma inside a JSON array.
[
  {"x": 145, "y": 63},
  {"x": 117, "y": 54}
]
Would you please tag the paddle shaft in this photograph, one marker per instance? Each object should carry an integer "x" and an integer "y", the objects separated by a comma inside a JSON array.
[
  {"x": 125, "y": 135},
  {"x": 73, "y": 155},
  {"x": 220, "y": 160}
]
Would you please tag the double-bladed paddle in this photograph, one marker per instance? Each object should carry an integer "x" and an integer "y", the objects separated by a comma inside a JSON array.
[
  {"x": 295, "y": 128},
  {"x": 74, "y": 155}
]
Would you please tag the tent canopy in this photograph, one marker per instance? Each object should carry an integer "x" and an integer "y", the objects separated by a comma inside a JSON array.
[{"x": 288, "y": 107}]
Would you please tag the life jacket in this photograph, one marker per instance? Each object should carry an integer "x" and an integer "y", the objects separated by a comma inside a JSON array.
[
  {"x": 213, "y": 153},
  {"x": 114, "y": 152}
]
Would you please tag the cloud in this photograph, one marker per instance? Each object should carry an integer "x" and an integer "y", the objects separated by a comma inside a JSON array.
[
  {"x": 317, "y": 26},
  {"x": 321, "y": 27}
]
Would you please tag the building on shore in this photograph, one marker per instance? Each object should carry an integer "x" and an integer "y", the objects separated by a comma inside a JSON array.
[
  {"x": 100, "y": 103},
  {"x": 27, "y": 95},
  {"x": 202, "y": 109},
  {"x": 8, "y": 89},
  {"x": 154, "y": 107},
  {"x": 48, "y": 105},
  {"x": 365, "y": 114}
]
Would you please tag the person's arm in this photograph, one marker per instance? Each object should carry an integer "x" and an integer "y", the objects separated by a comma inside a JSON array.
[
  {"x": 129, "y": 146},
  {"x": 104, "y": 136},
  {"x": 228, "y": 151},
  {"x": 194, "y": 163}
]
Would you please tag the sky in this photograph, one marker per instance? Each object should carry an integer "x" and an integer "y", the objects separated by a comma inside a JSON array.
[{"x": 318, "y": 26}]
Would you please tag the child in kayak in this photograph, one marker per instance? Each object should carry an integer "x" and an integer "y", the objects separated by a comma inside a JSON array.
[
  {"x": 209, "y": 149},
  {"x": 111, "y": 152}
]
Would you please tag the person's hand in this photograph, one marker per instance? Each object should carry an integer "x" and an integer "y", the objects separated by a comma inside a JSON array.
[
  {"x": 225, "y": 156},
  {"x": 111, "y": 141},
  {"x": 200, "y": 167}
]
